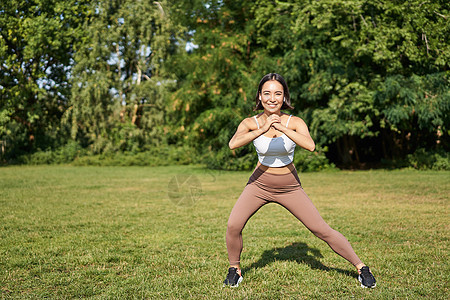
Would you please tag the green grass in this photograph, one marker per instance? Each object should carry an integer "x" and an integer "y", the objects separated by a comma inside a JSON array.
[{"x": 114, "y": 232}]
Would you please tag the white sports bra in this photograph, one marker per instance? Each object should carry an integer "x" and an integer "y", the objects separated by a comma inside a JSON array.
[{"x": 274, "y": 152}]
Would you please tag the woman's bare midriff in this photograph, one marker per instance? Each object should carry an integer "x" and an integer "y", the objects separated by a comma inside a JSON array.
[{"x": 276, "y": 170}]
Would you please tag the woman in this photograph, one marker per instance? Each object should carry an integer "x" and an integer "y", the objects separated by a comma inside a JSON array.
[{"x": 275, "y": 135}]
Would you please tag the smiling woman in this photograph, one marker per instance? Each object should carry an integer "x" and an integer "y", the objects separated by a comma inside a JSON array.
[
  {"x": 275, "y": 135},
  {"x": 273, "y": 96},
  {"x": 276, "y": 85}
]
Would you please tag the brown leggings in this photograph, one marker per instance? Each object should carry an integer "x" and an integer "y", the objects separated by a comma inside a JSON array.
[{"x": 286, "y": 190}]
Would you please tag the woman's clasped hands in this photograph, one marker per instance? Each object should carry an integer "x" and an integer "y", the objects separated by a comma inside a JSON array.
[{"x": 273, "y": 121}]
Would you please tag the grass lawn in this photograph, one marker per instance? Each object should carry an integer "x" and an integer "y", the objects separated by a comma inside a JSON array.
[{"x": 139, "y": 232}]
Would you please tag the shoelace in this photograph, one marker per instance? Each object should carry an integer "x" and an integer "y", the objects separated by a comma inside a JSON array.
[
  {"x": 365, "y": 272},
  {"x": 231, "y": 271}
]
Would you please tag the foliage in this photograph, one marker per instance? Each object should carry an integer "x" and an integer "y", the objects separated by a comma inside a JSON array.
[
  {"x": 243, "y": 158},
  {"x": 62, "y": 155},
  {"x": 360, "y": 72},
  {"x": 349, "y": 53},
  {"x": 306, "y": 161},
  {"x": 37, "y": 42},
  {"x": 74, "y": 154},
  {"x": 423, "y": 160},
  {"x": 371, "y": 79},
  {"x": 119, "y": 82},
  {"x": 161, "y": 156},
  {"x": 217, "y": 86}
]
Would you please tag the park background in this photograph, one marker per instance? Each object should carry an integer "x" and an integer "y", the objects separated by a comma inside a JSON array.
[
  {"x": 91, "y": 91},
  {"x": 157, "y": 83}
]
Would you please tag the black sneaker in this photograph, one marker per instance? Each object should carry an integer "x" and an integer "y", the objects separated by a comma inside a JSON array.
[
  {"x": 366, "y": 278},
  {"x": 233, "y": 278}
]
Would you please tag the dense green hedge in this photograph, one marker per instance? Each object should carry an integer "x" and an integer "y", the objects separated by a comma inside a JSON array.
[{"x": 304, "y": 161}]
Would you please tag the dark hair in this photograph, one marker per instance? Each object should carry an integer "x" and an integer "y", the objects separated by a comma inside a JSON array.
[{"x": 280, "y": 79}]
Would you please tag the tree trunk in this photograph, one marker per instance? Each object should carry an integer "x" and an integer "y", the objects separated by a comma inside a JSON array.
[
  {"x": 135, "y": 109},
  {"x": 354, "y": 149},
  {"x": 344, "y": 150}
]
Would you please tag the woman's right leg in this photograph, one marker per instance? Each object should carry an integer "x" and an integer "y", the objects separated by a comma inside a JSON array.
[{"x": 251, "y": 199}]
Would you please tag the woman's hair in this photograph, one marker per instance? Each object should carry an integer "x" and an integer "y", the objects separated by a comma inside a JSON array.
[{"x": 280, "y": 79}]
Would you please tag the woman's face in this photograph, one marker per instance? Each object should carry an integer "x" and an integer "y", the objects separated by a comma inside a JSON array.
[{"x": 272, "y": 95}]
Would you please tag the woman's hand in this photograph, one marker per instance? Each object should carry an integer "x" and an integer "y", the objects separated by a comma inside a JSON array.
[
  {"x": 279, "y": 127},
  {"x": 271, "y": 121}
]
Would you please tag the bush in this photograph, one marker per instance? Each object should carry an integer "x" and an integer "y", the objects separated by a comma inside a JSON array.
[
  {"x": 306, "y": 161},
  {"x": 162, "y": 156},
  {"x": 73, "y": 153},
  {"x": 38, "y": 158},
  {"x": 63, "y": 154},
  {"x": 240, "y": 159},
  {"x": 434, "y": 160}
]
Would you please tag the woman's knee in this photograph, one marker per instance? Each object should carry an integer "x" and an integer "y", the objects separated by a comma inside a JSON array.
[
  {"x": 234, "y": 227},
  {"x": 324, "y": 233}
]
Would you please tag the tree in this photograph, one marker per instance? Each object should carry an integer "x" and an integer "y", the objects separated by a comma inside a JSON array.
[
  {"x": 37, "y": 40},
  {"x": 120, "y": 82},
  {"x": 218, "y": 80},
  {"x": 364, "y": 70}
]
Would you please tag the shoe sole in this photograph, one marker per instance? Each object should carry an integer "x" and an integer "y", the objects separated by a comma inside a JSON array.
[
  {"x": 366, "y": 287},
  {"x": 234, "y": 285}
]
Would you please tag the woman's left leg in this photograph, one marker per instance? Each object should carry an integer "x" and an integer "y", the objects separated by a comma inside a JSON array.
[{"x": 299, "y": 204}]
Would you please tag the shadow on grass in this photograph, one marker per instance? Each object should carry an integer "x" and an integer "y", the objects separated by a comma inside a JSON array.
[{"x": 298, "y": 252}]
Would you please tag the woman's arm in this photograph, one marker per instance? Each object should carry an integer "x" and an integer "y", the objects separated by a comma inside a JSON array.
[
  {"x": 300, "y": 135},
  {"x": 245, "y": 134}
]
